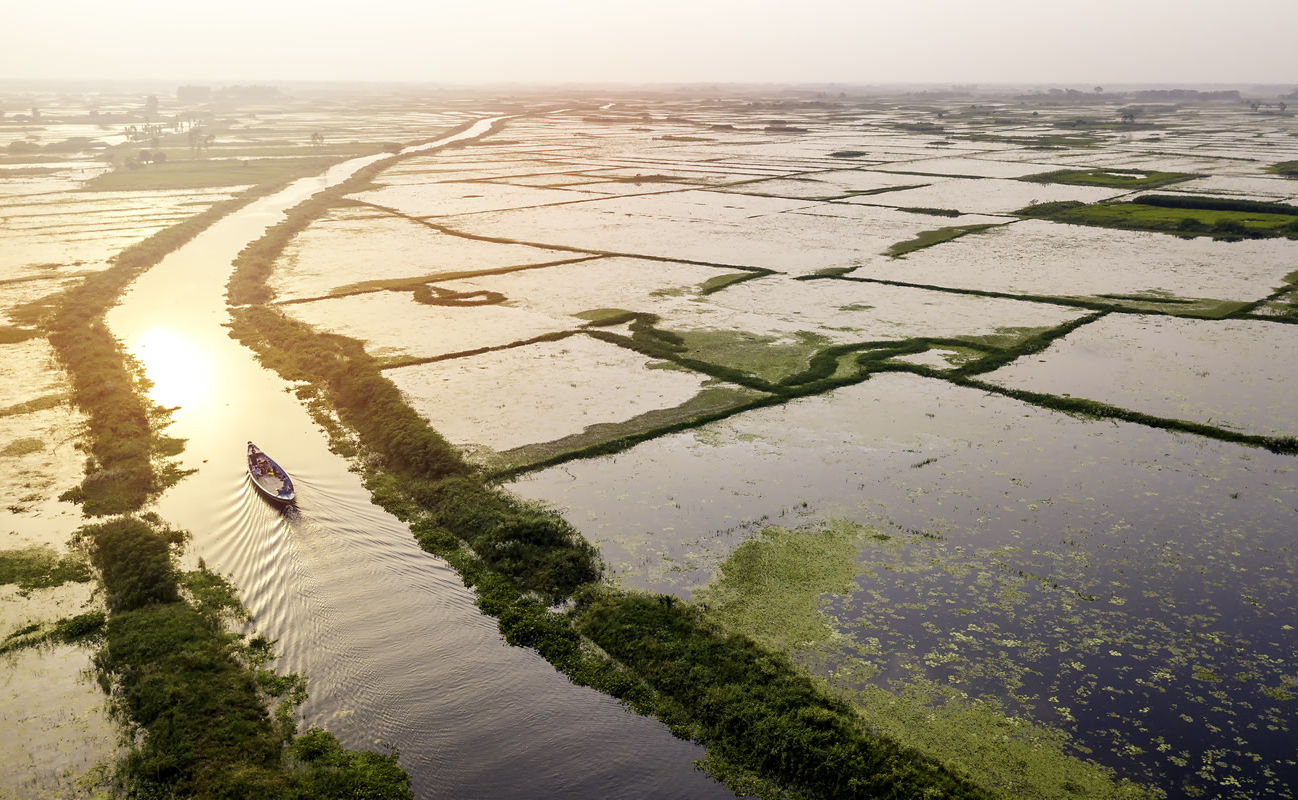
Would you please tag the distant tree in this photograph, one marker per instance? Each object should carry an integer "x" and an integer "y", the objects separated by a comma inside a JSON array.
[
  {"x": 1099, "y": 90},
  {"x": 1282, "y": 107},
  {"x": 1254, "y": 105}
]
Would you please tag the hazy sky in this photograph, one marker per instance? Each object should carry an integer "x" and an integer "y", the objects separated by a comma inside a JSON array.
[{"x": 475, "y": 41}]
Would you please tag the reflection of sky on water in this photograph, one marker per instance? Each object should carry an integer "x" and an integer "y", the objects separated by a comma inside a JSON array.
[
  {"x": 180, "y": 371},
  {"x": 1130, "y": 574}
]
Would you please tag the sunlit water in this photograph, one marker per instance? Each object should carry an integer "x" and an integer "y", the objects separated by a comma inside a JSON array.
[{"x": 396, "y": 653}]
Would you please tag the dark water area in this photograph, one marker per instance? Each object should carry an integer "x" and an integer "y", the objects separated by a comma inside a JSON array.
[
  {"x": 1134, "y": 587},
  {"x": 395, "y": 651}
]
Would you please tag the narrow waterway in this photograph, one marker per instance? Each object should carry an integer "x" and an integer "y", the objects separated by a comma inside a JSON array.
[{"x": 396, "y": 653}]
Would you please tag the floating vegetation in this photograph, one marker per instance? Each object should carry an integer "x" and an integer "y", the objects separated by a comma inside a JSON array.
[
  {"x": 773, "y": 588},
  {"x": 41, "y": 567}
]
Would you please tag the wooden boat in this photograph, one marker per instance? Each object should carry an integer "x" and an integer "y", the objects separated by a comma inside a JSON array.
[{"x": 269, "y": 477}]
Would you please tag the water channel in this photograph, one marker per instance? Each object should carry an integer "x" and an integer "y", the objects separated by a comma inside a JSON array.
[{"x": 396, "y": 653}]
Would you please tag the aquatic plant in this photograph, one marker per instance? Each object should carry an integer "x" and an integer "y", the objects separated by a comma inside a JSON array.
[{"x": 41, "y": 567}]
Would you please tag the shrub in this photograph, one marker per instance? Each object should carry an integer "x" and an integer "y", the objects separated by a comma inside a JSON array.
[{"x": 1214, "y": 204}]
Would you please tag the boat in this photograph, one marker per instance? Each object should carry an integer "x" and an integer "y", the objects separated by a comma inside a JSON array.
[{"x": 269, "y": 477}]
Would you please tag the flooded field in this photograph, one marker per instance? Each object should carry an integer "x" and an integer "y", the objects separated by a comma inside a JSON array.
[{"x": 808, "y": 333}]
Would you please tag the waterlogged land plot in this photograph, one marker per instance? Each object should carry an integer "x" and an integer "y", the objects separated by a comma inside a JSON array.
[
  {"x": 1238, "y": 374},
  {"x": 505, "y": 399},
  {"x": 353, "y": 246},
  {"x": 1049, "y": 563},
  {"x": 1041, "y": 258}
]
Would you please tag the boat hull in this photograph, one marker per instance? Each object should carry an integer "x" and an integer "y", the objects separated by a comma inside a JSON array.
[{"x": 269, "y": 478}]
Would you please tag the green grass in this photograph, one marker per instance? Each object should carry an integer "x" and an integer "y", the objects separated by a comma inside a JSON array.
[
  {"x": 938, "y": 236},
  {"x": 1113, "y": 178},
  {"x": 933, "y": 212},
  {"x": 1136, "y": 216},
  {"x": 716, "y": 284}
]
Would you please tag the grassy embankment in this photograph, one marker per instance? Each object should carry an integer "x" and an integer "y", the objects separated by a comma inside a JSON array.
[
  {"x": 1220, "y": 218},
  {"x": 766, "y": 722},
  {"x": 197, "y": 696}
]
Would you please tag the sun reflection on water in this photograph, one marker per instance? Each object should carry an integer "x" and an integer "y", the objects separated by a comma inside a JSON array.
[{"x": 180, "y": 371}]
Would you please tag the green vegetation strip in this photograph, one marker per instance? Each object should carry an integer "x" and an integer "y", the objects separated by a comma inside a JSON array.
[
  {"x": 1220, "y": 218},
  {"x": 755, "y": 709},
  {"x": 198, "y": 694},
  {"x": 1113, "y": 178},
  {"x": 930, "y": 238},
  {"x": 33, "y": 405},
  {"x": 69, "y": 630}
]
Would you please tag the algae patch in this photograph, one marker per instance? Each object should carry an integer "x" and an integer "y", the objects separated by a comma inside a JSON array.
[
  {"x": 777, "y": 589},
  {"x": 771, "y": 587}
]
